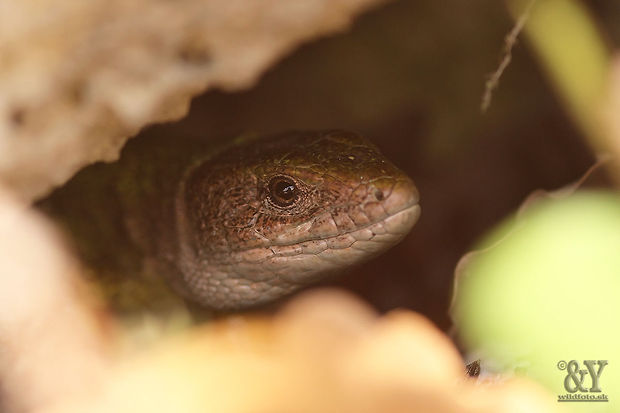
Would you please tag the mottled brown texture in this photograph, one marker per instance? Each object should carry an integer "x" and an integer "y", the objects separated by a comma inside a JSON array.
[{"x": 243, "y": 224}]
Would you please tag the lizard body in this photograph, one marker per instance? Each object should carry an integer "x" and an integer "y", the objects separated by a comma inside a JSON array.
[{"x": 242, "y": 224}]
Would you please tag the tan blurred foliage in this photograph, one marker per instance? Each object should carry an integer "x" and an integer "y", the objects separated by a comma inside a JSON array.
[
  {"x": 325, "y": 352},
  {"x": 79, "y": 77},
  {"x": 53, "y": 342}
]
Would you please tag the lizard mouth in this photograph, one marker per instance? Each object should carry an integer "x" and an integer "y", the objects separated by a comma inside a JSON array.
[
  {"x": 304, "y": 257},
  {"x": 377, "y": 223},
  {"x": 316, "y": 258},
  {"x": 291, "y": 267}
]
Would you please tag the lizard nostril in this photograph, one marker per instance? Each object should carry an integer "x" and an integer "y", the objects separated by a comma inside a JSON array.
[{"x": 379, "y": 195}]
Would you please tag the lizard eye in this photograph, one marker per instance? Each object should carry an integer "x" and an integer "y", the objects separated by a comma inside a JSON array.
[{"x": 282, "y": 191}]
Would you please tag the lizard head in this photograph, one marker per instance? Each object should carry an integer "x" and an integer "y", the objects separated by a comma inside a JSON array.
[{"x": 268, "y": 216}]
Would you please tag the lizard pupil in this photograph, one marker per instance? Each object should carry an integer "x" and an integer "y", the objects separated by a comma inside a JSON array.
[{"x": 283, "y": 191}]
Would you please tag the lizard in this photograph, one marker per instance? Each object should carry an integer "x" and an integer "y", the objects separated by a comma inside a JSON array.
[{"x": 240, "y": 224}]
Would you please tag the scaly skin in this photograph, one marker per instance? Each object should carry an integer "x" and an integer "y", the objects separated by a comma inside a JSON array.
[{"x": 245, "y": 224}]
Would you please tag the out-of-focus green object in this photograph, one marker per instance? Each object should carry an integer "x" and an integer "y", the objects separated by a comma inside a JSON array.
[
  {"x": 547, "y": 290},
  {"x": 571, "y": 49}
]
